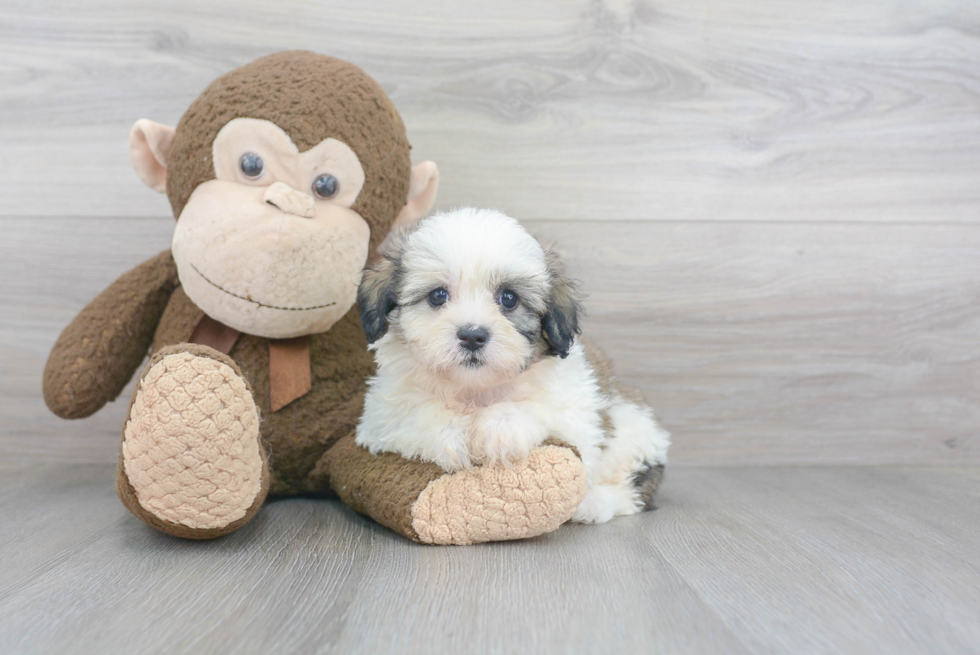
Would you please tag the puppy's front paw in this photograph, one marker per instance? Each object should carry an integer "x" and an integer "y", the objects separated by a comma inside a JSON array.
[
  {"x": 504, "y": 433},
  {"x": 450, "y": 450}
]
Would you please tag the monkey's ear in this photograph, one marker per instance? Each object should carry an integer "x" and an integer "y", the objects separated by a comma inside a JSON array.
[
  {"x": 149, "y": 148},
  {"x": 559, "y": 325},
  {"x": 376, "y": 298},
  {"x": 422, "y": 190}
]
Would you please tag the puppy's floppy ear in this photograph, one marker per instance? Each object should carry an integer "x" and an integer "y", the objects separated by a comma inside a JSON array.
[
  {"x": 559, "y": 325},
  {"x": 377, "y": 298}
]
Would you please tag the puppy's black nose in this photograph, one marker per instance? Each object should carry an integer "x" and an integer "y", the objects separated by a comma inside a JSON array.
[{"x": 473, "y": 337}]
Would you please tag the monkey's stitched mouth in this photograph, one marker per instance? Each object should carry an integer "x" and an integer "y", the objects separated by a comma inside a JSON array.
[{"x": 256, "y": 302}]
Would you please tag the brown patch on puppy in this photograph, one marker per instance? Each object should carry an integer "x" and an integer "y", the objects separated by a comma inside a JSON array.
[
  {"x": 646, "y": 480},
  {"x": 607, "y": 428},
  {"x": 377, "y": 297},
  {"x": 602, "y": 368},
  {"x": 560, "y": 324}
]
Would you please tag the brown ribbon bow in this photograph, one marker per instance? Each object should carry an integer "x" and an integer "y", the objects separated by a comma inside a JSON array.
[{"x": 289, "y": 360}]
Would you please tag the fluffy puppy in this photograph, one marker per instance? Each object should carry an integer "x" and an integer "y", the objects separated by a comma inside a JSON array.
[{"x": 473, "y": 325}]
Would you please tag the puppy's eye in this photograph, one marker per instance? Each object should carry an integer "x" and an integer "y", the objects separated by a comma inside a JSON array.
[
  {"x": 325, "y": 186},
  {"x": 438, "y": 297},
  {"x": 252, "y": 165},
  {"x": 507, "y": 299}
]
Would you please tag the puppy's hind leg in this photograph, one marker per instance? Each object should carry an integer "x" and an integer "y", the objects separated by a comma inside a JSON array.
[
  {"x": 645, "y": 481},
  {"x": 631, "y": 468}
]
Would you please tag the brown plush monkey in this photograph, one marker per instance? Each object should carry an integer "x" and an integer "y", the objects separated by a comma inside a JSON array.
[{"x": 284, "y": 175}]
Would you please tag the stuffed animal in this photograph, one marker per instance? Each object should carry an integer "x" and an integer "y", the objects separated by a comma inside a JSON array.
[{"x": 284, "y": 176}]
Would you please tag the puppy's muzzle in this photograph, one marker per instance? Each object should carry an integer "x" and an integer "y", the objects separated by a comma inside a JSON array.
[{"x": 473, "y": 337}]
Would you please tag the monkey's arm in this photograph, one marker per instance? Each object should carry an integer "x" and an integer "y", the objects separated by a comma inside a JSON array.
[
  {"x": 492, "y": 503},
  {"x": 99, "y": 351}
]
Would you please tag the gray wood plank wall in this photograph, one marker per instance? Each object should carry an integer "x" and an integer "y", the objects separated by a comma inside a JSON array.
[{"x": 773, "y": 206}]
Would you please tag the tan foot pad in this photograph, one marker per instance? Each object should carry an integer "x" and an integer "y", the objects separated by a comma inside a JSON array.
[
  {"x": 498, "y": 504},
  {"x": 191, "y": 445}
]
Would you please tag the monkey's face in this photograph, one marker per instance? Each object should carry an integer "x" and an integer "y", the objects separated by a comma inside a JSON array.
[
  {"x": 283, "y": 174},
  {"x": 271, "y": 247}
]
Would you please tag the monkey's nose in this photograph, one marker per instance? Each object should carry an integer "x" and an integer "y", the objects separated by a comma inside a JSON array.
[
  {"x": 289, "y": 200},
  {"x": 472, "y": 337}
]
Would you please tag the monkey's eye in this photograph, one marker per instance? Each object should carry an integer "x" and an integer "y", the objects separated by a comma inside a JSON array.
[
  {"x": 325, "y": 186},
  {"x": 507, "y": 299},
  {"x": 252, "y": 165},
  {"x": 438, "y": 297}
]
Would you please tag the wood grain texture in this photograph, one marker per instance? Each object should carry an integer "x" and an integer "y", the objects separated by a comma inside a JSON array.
[
  {"x": 757, "y": 343},
  {"x": 772, "y": 205},
  {"x": 583, "y": 109},
  {"x": 738, "y": 560}
]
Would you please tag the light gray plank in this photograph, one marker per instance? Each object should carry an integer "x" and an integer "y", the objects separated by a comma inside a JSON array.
[
  {"x": 758, "y": 110},
  {"x": 766, "y": 560},
  {"x": 819, "y": 560},
  {"x": 51, "y": 512},
  {"x": 311, "y": 576},
  {"x": 570, "y": 592},
  {"x": 767, "y": 343},
  {"x": 756, "y": 343}
]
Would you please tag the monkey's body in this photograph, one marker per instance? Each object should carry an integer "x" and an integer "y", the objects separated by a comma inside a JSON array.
[
  {"x": 299, "y": 433},
  {"x": 304, "y": 430},
  {"x": 274, "y": 255}
]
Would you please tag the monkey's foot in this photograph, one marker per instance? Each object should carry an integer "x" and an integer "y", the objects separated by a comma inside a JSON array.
[
  {"x": 192, "y": 464},
  {"x": 495, "y": 503}
]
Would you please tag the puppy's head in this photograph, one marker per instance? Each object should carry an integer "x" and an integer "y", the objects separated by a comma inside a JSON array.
[{"x": 472, "y": 295}]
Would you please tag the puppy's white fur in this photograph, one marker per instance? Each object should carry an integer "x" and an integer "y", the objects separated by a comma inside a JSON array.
[{"x": 435, "y": 400}]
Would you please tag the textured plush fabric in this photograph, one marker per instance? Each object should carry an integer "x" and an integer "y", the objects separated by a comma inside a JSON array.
[
  {"x": 383, "y": 486},
  {"x": 97, "y": 354},
  {"x": 420, "y": 501},
  {"x": 302, "y": 431},
  {"x": 127, "y": 493},
  {"x": 311, "y": 97},
  {"x": 524, "y": 501},
  {"x": 191, "y": 445},
  {"x": 179, "y": 322}
]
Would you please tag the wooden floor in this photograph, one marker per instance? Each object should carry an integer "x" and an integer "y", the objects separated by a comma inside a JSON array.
[
  {"x": 735, "y": 560},
  {"x": 774, "y": 208}
]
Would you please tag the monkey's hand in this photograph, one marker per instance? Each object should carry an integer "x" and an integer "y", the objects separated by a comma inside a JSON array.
[
  {"x": 492, "y": 503},
  {"x": 99, "y": 351}
]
